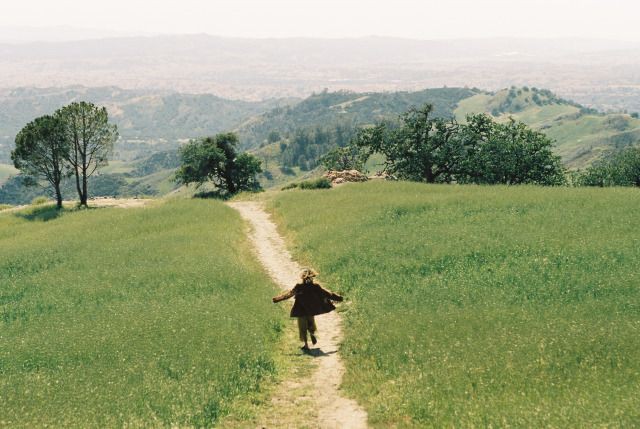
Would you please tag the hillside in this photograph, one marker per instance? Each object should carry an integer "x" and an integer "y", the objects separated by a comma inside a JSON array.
[
  {"x": 348, "y": 108},
  {"x": 290, "y": 136},
  {"x": 291, "y": 140},
  {"x": 144, "y": 117},
  {"x": 581, "y": 134},
  {"x": 132, "y": 317},
  {"x": 479, "y": 306}
]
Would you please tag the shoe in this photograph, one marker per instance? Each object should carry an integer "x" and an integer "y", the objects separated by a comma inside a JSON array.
[
  {"x": 305, "y": 348},
  {"x": 314, "y": 340}
]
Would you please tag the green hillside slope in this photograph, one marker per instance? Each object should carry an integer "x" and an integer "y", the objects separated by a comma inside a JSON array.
[
  {"x": 141, "y": 115},
  {"x": 131, "y": 318},
  {"x": 582, "y": 135},
  {"x": 477, "y": 306},
  {"x": 349, "y": 108}
]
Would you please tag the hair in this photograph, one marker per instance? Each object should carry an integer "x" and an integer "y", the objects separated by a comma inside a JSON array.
[{"x": 307, "y": 275}]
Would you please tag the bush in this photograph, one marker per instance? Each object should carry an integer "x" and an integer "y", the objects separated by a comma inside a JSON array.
[
  {"x": 345, "y": 158},
  {"x": 39, "y": 201},
  {"x": 320, "y": 183},
  {"x": 618, "y": 169}
]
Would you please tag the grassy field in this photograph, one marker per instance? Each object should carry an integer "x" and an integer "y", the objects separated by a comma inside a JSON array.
[
  {"x": 141, "y": 317},
  {"x": 481, "y": 306}
]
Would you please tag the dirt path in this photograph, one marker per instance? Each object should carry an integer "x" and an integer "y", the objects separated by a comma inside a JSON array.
[
  {"x": 328, "y": 408},
  {"x": 124, "y": 203}
]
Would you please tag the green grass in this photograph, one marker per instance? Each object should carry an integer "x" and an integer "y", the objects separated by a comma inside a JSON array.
[
  {"x": 141, "y": 317},
  {"x": 481, "y": 306}
]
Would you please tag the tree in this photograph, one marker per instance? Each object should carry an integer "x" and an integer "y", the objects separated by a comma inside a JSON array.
[
  {"x": 92, "y": 138},
  {"x": 215, "y": 159},
  {"x": 345, "y": 158},
  {"x": 273, "y": 136},
  {"x": 435, "y": 150},
  {"x": 508, "y": 153},
  {"x": 41, "y": 152},
  {"x": 421, "y": 148},
  {"x": 620, "y": 168}
]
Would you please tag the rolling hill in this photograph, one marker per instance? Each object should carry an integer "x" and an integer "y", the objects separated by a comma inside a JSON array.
[
  {"x": 143, "y": 116},
  {"x": 581, "y": 134},
  {"x": 291, "y": 135}
]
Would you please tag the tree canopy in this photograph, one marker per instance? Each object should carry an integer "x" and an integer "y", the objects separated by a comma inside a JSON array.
[
  {"x": 620, "y": 168},
  {"x": 41, "y": 152},
  {"x": 92, "y": 137},
  {"x": 434, "y": 150},
  {"x": 214, "y": 159}
]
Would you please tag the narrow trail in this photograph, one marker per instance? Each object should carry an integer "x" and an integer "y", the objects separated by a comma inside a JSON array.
[{"x": 330, "y": 409}]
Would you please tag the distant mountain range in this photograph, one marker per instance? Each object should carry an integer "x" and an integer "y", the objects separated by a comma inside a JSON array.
[{"x": 596, "y": 73}]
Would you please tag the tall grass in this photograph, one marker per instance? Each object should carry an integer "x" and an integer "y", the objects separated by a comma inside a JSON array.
[
  {"x": 140, "y": 317},
  {"x": 481, "y": 306}
]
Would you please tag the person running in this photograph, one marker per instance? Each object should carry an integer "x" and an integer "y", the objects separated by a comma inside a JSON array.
[{"x": 311, "y": 299}]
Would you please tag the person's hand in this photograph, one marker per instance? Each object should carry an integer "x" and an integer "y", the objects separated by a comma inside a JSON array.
[{"x": 274, "y": 300}]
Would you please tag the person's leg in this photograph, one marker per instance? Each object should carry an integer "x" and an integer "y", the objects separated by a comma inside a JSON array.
[
  {"x": 302, "y": 330},
  {"x": 311, "y": 322}
]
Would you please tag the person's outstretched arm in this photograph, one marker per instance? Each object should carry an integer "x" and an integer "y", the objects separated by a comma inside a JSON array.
[
  {"x": 332, "y": 296},
  {"x": 288, "y": 294}
]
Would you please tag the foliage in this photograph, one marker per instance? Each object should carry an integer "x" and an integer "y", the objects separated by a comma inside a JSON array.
[
  {"x": 342, "y": 109},
  {"x": 169, "y": 160},
  {"x": 168, "y": 328},
  {"x": 41, "y": 152},
  {"x": 434, "y": 150},
  {"x": 307, "y": 145},
  {"x": 621, "y": 168},
  {"x": 319, "y": 183},
  {"x": 581, "y": 135},
  {"x": 481, "y": 306},
  {"x": 143, "y": 114},
  {"x": 509, "y": 153},
  {"x": 39, "y": 201},
  {"x": 215, "y": 159},
  {"x": 421, "y": 148},
  {"x": 91, "y": 138},
  {"x": 350, "y": 157}
]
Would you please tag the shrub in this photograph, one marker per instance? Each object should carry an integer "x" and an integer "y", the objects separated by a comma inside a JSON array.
[
  {"x": 618, "y": 169},
  {"x": 320, "y": 183},
  {"x": 39, "y": 201}
]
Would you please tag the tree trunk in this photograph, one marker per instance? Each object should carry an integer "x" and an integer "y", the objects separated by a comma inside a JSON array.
[
  {"x": 58, "y": 196},
  {"x": 83, "y": 198},
  {"x": 228, "y": 178},
  {"x": 78, "y": 183}
]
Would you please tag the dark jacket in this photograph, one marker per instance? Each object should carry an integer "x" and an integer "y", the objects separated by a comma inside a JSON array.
[{"x": 311, "y": 299}]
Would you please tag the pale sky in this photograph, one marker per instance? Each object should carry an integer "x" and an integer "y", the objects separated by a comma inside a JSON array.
[{"x": 426, "y": 19}]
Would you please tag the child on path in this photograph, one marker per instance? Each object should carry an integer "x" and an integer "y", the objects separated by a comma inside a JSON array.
[{"x": 311, "y": 299}]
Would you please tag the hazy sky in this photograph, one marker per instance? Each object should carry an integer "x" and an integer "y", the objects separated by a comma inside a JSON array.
[{"x": 426, "y": 19}]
